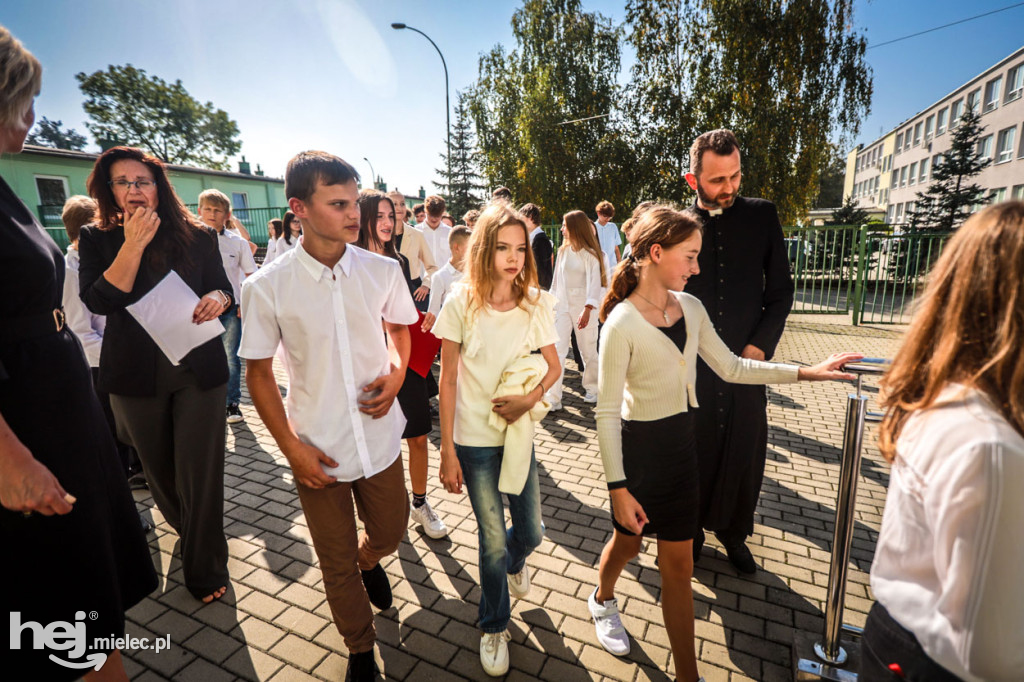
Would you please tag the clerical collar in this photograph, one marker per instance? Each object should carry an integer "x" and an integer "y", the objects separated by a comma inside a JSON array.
[{"x": 715, "y": 211}]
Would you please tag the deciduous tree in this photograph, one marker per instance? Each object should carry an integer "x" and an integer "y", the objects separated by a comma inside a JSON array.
[{"x": 128, "y": 106}]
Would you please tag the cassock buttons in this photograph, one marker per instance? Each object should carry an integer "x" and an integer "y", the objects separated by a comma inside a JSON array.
[{"x": 682, "y": 363}]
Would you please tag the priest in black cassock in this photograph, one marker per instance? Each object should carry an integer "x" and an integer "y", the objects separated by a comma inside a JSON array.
[{"x": 746, "y": 287}]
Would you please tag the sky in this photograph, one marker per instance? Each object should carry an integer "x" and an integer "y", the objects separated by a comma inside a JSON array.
[{"x": 334, "y": 75}]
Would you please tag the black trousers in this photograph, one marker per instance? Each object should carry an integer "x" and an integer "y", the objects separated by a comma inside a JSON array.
[
  {"x": 180, "y": 434},
  {"x": 891, "y": 653}
]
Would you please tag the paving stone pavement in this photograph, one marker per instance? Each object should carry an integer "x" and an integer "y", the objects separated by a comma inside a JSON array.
[{"x": 274, "y": 622}]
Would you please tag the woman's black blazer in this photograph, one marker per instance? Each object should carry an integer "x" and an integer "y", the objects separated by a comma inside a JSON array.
[{"x": 128, "y": 358}]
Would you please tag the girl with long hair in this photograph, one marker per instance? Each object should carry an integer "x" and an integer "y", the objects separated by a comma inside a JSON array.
[
  {"x": 291, "y": 231},
  {"x": 578, "y": 285},
  {"x": 651, "y": 338},
  {"x": 275, "y": 230},
  {"x": 376, "y": 234},
  {"x": 491, "y": 321},
  {"x": 947, "y": 567},
  {"x": 173, "y": 414}
]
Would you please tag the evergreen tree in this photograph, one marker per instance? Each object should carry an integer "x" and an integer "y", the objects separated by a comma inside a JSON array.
[
  {"x": 462, "y": 187},
  {"x": 49, "y": 133},
  {"x": 951, "y": 197},
  {"x": 848, "y": 214}
]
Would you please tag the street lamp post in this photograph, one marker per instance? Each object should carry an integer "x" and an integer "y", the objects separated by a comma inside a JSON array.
[
  {"x": 373, "y": 176},
  {"x": 447, "y": 106}
]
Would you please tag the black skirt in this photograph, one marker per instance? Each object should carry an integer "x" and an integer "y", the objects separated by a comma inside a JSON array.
[
  {"x": 660, "y": 461},
  {"x": 414, "y": 399}
]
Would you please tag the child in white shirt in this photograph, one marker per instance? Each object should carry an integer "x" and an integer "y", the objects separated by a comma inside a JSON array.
[{"x": 443, "y": 279}]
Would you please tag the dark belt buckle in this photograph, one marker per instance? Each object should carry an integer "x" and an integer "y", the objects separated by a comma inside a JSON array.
[{"x": 58, "y": 319}]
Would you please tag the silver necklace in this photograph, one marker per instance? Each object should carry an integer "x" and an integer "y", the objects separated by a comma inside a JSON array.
[{"x": 664, "y": 309}]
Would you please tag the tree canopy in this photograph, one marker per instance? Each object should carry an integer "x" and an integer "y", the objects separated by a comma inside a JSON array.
[
  {"x": 49, "y": 133},
  {"x": 564, "y": 67},
  {"x": 788, "y": 78},
  {"x": 129, "y": 107}
]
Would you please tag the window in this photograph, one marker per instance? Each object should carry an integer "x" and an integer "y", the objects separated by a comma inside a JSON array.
[
  {"x": 899, "y": 212},
  {"x": 940, "y": 121},
  {"x": 1004, "y": 144},
  {"x": 985, "y": 148},
  {"x": 891, "y": 213},
  {"x": 239, "y": 204},
  {"x": 997, "y": 195},
  {"x": 52, "y": 190},
  {"x": 895, "y": 180},
  {"x": 910, "y": 208},
  {"x": 1015, "y": 83},
  {"x": 924, "y": 171},
  {"x": 936, "y": 160},
  {"x": 956, "y": 110},
  {"x": 878, "y": 180},
  {"x": 992, "y": 89},
  {"x": 929, "y": 127},
  {"x": 1018, "y": 192},
  {"x": 903, "y": 176},
  {"x": 906, "y": 138},
  {"x": 974, "y": 100},
  {"x": 917, "y": 133},
  {"x": 913, "y": 173},
  {"x": 899, "y": 142}
]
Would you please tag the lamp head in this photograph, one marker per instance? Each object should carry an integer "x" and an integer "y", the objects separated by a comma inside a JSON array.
[{"x": 397, "y": 25}]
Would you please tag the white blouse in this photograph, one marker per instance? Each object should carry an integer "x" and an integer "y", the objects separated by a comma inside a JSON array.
[
  {"x": 577, "y": 270},
  {"x": 949, "y": 561}
]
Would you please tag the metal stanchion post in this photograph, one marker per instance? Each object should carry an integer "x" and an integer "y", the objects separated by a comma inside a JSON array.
[{"x": 830, "y": 661}]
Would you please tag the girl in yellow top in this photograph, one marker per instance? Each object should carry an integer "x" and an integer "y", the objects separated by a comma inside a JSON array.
[
  {"x": 491, "y": 319},
  {"x": 649, "y": 345}
]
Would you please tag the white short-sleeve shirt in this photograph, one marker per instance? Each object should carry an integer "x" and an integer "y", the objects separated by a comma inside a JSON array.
[
  {"x": 608, "y": 237},
  {"x": 237, "y": 258},
  {"x": 440, "y": 286},
  {"x": 329, "y": 322}
]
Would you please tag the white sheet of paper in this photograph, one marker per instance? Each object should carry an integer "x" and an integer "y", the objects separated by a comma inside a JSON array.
[{"x": 166, "y": 315}]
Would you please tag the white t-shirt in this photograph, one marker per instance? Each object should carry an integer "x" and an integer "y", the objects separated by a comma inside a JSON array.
[
  {"x": 491, "y": 341},
  {"x": 608, "y": 237},
  {"x": 237, "y": 258},
  {"x": 329, "y": 322},
  {"x": 440, "y": 286},
  {"x": 950, "y": 555}
]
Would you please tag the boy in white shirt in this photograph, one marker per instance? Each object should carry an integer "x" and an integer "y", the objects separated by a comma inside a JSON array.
[
  {"x": 435, "y": 232},
  {"x": 215, "y": 211},
  {"x": 324, "y": 301},
  {"x": 451, "y": 273}
]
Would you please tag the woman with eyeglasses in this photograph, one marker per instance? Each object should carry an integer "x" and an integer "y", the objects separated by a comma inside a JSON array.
[
  {"x": 173, "y": 414},
  {"x": 71, "y": 539}
]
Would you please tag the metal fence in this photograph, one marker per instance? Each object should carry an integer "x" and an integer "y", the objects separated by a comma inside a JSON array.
[{"x": 869, "y": 272}]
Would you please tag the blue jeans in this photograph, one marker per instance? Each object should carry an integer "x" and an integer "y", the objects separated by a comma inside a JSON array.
[
  {"x": 501, "y": 551},
  {"x": 231, "y": 338}
]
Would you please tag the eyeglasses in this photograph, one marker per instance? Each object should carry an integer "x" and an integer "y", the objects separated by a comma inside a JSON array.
[{"x": 125, "y": 185}]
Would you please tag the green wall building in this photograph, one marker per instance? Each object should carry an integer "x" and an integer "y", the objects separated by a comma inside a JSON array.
[{"x": 44, "y": 178}]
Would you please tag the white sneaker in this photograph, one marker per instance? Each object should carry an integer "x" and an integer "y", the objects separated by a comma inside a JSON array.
[
  {"x": 432, "y": 524},
  {"x": 590, "y": 398},
  {"x": 610, "y": 632},
  {"x": 494, "y": 652},
  {"x": 519, "y": 583}
]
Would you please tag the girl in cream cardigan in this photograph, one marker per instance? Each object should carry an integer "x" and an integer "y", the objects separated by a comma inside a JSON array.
[{"x": 649, "y": 345}]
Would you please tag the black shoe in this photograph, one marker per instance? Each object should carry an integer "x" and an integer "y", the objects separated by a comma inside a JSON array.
[
  {"x": 378, "y": 588},
  {"x": 698, "y": 545},
  {"x": 362, "y": 667},
  {"x": 138, "y": 481},
  {"x": 234, "y": 415},
  {"x": 741, "y": 558}
]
